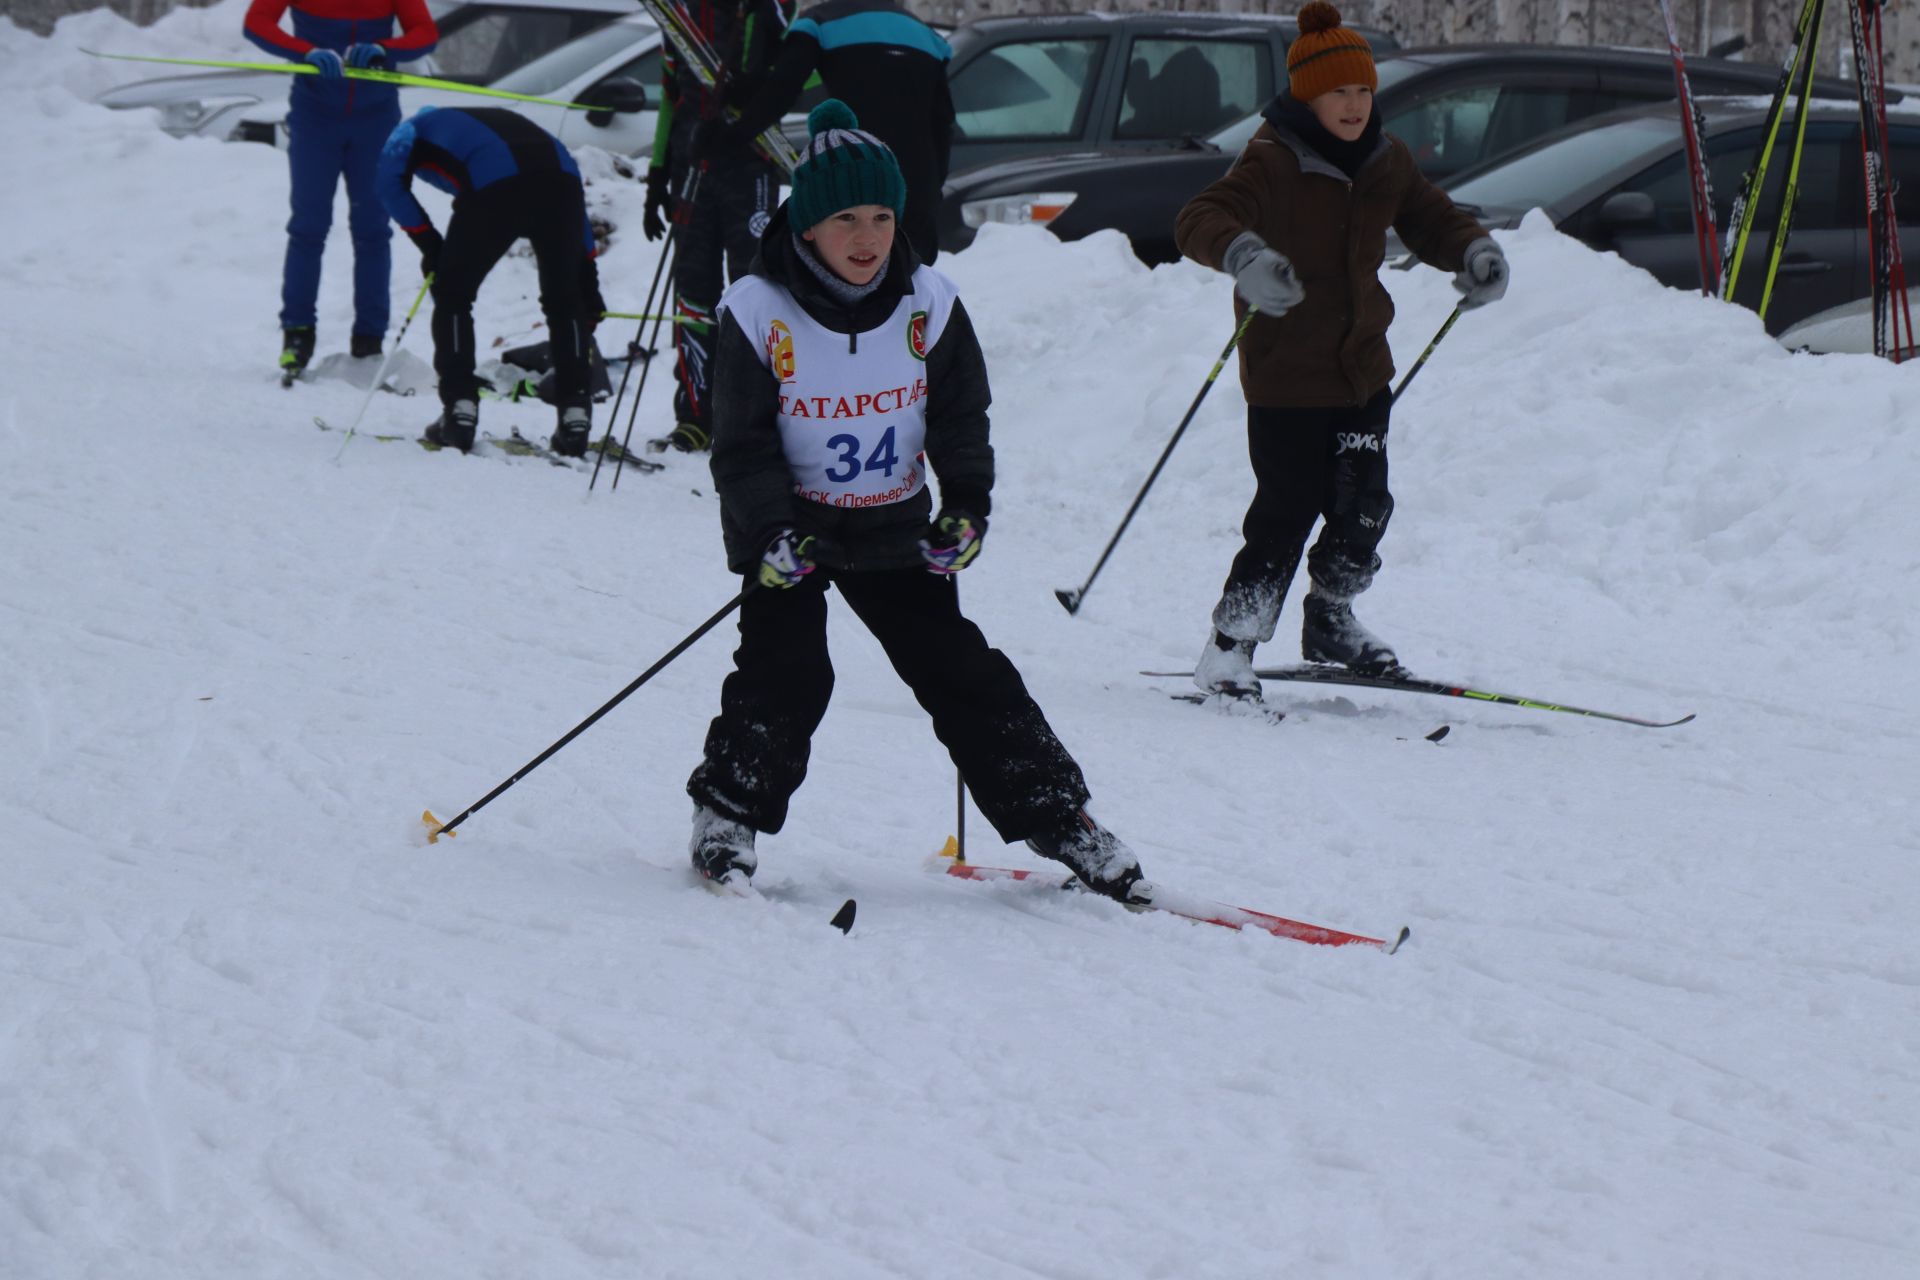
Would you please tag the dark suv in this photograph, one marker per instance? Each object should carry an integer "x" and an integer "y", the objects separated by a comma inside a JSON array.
[
  {"x": 1127, "y": 81},
  {"x": 1457, "y": 107}
]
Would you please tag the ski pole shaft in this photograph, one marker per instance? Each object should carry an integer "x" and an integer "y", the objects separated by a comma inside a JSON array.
[
  {"x": 527, "y": 768},
  {"x": 642, "y": 315},
  {"x": 633, "y": 414},
  {"x": 1458, "y": 307},
  {"x": 633, "y": 350},
  {"x": 1071, "y": 600},
  {"x": 374, "y": 74},
  {"x": 380, "y": 375}
]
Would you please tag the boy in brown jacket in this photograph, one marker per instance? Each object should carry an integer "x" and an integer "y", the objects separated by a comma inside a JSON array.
[{"x": 1300, "y": 223}]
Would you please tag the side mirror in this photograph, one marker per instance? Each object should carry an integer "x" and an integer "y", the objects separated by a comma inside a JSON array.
[
  {"x": 621, "y": 94},
  {"x": 1627, "y": 211}
]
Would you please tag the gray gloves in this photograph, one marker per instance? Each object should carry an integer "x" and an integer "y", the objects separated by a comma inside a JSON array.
[
  {"x": 1261, "y": 275},
  {"x": 1484, "y": 279}
]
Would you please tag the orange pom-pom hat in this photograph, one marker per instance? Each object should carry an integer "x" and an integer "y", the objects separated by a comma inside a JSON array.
[{"x": 1326, "y": 55}]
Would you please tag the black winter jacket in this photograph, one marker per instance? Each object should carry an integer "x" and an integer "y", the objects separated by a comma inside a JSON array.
[{"x": 750, "y": 471}]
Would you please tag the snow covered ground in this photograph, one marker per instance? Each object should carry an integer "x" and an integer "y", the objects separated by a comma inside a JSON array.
[{"x": 1660, "y": 1014}]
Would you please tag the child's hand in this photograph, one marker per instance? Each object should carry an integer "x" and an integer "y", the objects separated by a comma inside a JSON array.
[
  {"x": 1484, "y": 278},
  {"x": 1262, "y": 275}
]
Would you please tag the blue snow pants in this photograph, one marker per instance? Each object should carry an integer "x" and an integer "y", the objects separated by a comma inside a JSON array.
[{"x": 323, "y": 148}]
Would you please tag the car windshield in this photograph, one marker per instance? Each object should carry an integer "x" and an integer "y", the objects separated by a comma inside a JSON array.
[
  {"x": 554, "y": 70},
  {"x": 1560, "y": 167},
  {"x": 1236, "y": 135}
]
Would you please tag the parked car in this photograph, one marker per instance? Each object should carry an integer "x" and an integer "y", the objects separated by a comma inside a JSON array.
[
  {"x": 1027, "y": 86},
  {"x": 1456, "y": 107},
  {"x": 1619, "y": 183},
  {"x": 480, "y": 41},
  {"x": 1849, "y": 329}
]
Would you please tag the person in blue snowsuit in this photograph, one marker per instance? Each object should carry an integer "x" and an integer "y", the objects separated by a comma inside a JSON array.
[
  {"x": 510, "y": 179},
  {"x": 335, "y": 128}
]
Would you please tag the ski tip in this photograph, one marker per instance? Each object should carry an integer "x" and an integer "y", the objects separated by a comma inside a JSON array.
[
  {"x": 435, "y": 827},
  {"x": 1069, "y": 600},
  {"x": 1398, "y": 938},
  {"x": 843, "y": 918},
  {"x": 1440, "y": 734}
]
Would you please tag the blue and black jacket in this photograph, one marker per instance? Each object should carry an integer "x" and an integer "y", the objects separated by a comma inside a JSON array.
[
  {"x": 463, "y": 150},
  {"x": 338, "y": 25}
]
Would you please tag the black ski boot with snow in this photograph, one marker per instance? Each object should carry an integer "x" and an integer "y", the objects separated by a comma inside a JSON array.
[
  {"x": 570, "y": 436},
  {"x": 1226, "y": 667},
  {"x": 296, "y": 351},
  {"x": 1330, "y": 633},
  {"x": 722, "y": 849},
  {"x": 364, "y": 345},
  {"x": 1096, "y": 856},
  {"x": 456, "y": 427},
  {"x": 687, "y": 437}
]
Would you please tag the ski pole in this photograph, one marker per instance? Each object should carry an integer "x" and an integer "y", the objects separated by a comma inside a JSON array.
[
  {"x": 633, "y": 413},
  {"x": 381, "y": 374},
  {"x": 1458, "y": 307},
  {"x": 1071, "y": 600},
  {"x": 642, "y": 315},
  {"x": 633, "y": 350},
  {"x": 436, "y": 828}
]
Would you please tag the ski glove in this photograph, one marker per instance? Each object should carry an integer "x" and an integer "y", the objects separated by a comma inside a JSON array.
[
  {"x": 785, "y": 560},
  {"x": 952, "y": 541},
  {"x": 327, "y": 61},
  {"x": 1261, "y": 275},
  {"x": 1484, "y": 279},
  {"x": 429, "y": 243},
  {"x": 654, "y": 221},
  {"x": 366, "y": 55},
  {"x": 712, "y": 138}
]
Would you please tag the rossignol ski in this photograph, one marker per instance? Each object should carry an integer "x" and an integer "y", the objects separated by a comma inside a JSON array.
[
  {"x": 1693, "y": 128},
  {"x": 1315, "y": 674},
  {"x": 1884, "y": 260}
]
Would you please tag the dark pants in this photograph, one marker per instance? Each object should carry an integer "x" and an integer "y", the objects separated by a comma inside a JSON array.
[
  {"x": 756, "y": 755},
  {"x": 718, "y": 230},
  {"x": 549, "y": 211},
  {"x": 1310, "y": 464},
  {"x": 322, "y": 148}
]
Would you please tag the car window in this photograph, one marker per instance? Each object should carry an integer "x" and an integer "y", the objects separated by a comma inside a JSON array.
[
  {"x": 1452, "y": 130},
  {"x": 1550, "y": 173},
  {"x": 496, "y": 41},
  {"x": 1829, "y": 173},
  {"x": 1026, "y": 89},
  {"x": 1189, "y": 88},
  {"x": 562, "y": 66},
  {"x": 1906, "y": 176}
]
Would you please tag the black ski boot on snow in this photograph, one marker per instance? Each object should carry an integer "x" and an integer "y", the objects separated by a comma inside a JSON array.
[
  {"x": 570, "y": 435},
  {"x": 364, "y": 345},
  {"x": 456, "y": 427},
  {"x": 687, "y": 437},
  {"x": 1226, "y": 667},
  {"x": 722, "y": 849},
  {"x": 1096, "y": 856},
  {"x": 1330, "y": 633},
  {"x": 296, "y": 351}
]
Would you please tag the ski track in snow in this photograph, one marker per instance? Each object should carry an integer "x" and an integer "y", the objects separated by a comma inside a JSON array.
[{"x": 1658, "y": 1013}]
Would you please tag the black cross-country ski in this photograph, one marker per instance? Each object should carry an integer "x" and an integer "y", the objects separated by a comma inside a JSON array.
[{"x": 1312, "y": 674}]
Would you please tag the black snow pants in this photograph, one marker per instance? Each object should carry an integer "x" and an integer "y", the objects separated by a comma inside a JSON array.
[
  {"x": 718, "y": 230},
  {"x": 756, "y": 753},
  {"x": 1309, "y": 464},
  {"x": 548, "y": 210}
]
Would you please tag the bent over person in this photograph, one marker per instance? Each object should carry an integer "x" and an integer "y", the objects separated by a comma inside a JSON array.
[
  {"x": 846, "y": 370},
  {"x": 335, "y": 129},
  {"x": 509, "y": 179}
]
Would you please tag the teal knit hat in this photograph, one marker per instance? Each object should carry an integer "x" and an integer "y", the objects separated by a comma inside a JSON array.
[{"x": 842, "y": 166}]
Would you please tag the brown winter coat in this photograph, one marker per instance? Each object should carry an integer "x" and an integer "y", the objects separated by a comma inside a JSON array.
[{"x": 1331, "y": 349}]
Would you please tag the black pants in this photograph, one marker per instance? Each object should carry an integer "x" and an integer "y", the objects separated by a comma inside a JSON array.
[
  {"x": 756, "y": 754},
  {"x": 549, "y": 211},
  {"x": 1309, "y": 464},
  {"x": 718, "y": 230}
]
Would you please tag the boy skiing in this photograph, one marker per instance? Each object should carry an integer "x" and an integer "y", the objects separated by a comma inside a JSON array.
[
  {"x": 845, "y": 369},
  {"x": 335, "y": 128},
  {"x": 1300, "y": 223},
  {"x": 509, "y": 178}
]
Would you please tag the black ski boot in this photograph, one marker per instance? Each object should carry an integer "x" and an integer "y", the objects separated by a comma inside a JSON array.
[
  {"x": 1096, "y": 856},
  {"x": 1330, "y": 633},
  {"x": 456, "y": 427},
  {"x": 570, "y": 435},
  {"x": 365, "y": 344},
  {"x": 722, "y": 849},
  {"x": 687, "y": 437},
  {"x": 296, "y": 350},
  {"x": 1226, "y": 667}
]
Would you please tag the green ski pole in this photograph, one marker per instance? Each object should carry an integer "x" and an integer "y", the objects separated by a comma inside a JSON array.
[
  {"x": 352, "y": 73},
  {"x": 380, "y": 376}
]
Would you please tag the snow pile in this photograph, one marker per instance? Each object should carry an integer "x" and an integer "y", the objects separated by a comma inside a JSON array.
[{"x": 1657, "y": 1015}]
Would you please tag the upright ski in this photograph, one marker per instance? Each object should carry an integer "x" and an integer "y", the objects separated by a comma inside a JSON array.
[
  {"x": 1883, "y": 233},
  {"x": 1693, "y": 128}
]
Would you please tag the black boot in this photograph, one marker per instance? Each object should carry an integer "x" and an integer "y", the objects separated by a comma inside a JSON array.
[
  {"x": 365, "y": 344},
  {"x": 1096, "y": 856},
  {"x": 296, "y": 350},
  {"x": 722, "y": 849},
  {"x": 1330, "y": 633},
  {"x": 455, "y": 430},
  {"x": 570, "y": 435}
]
